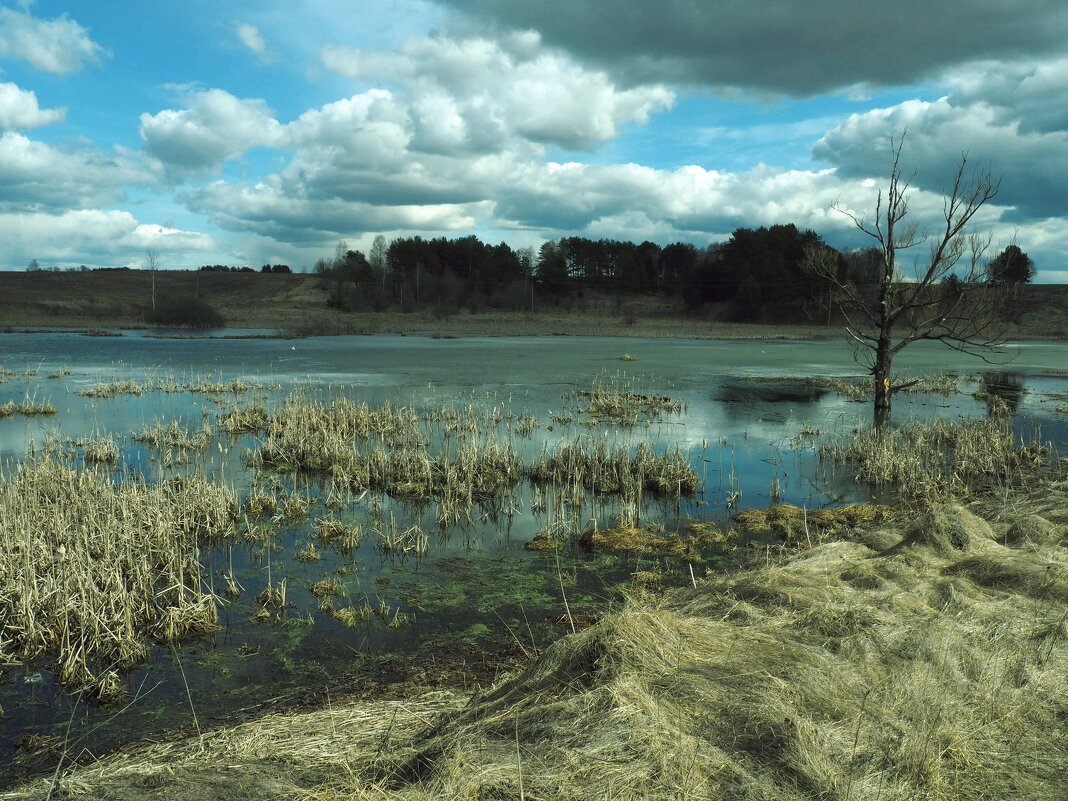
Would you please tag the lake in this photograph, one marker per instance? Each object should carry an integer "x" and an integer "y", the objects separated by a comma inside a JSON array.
[{"x": 751, "y": 417}]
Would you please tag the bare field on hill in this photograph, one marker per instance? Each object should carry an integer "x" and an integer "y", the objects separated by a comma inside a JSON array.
[{"x": 296, "y": 304}]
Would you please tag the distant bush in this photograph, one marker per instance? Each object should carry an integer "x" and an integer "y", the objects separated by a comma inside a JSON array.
[{"x": 186, "y": 311}]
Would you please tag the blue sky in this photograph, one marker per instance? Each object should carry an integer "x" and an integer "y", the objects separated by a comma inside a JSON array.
[{"x": 252, "y": 132}]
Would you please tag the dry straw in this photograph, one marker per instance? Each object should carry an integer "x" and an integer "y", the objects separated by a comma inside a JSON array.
[
  {"x": 91, "y": 570},
  {"x": 925, "y": 662}
]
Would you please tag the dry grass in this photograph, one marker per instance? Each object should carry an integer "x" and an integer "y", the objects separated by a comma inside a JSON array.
[
  {"x": 27, "y": 408},
  {"x": 650, "y": 539},
  {"x": 91, "y": 570},
  {"x": 803, "y": 527},
  {"x": 592, "y": 464},
  {"x": 862, "y": 389},
  {"x": 935, "y": 667},
  {"x": 173, "y": 435},
  {"x": 941, "y": 458},
  {"x": 100, "y": 450},
  {"x": 619, "y": 399}
]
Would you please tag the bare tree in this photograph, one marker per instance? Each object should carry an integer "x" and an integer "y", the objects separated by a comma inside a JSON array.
[
  {"x": 947, "y": 295},
  {"x": 152, "y": 262}
]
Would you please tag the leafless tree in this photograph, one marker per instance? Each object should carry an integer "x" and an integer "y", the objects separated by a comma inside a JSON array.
[
  {"x": 152, "y": 262},
  {"x": 946, "y": 296}
]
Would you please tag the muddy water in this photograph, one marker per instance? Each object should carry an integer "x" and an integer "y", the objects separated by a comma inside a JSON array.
[{"x": 750, "y": 416}]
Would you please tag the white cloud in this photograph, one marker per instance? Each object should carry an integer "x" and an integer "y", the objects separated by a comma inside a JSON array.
[
  {"x": 19, "y": 110},
  {"x": 249, "y": 35},
  {"x": 215, "y": 127},
  {"x": 94, "y": 236},
  {"x": 1032, "y": 164},
  {"x": 58, "y": 46},
  {"x": 477, "y": 93},
  {"x": 267, "y": 209},
  {"x": 36, "y": 175}
]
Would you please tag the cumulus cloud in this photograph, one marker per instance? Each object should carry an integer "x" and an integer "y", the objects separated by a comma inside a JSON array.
[
  {"x": 36, "y": 175},
  {"x": 58, "y": 46},
  {"x": 19, "y": 110},
  {"x": 780, "y": 46},
  {"x": 267, "y": 209},
  {"x": 214, "y": 127},
  {"x": 250, "y": 36},
  {"x": 691, "y": 199},
  {"x": 991, "y": 126},
  {"x": 93, "y": 236},
  {"x": 477, "y": 93}
]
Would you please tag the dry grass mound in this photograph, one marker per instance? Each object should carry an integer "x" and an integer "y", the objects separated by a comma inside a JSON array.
[
  {"x": 936, "y": 669},
  {"x": 795, "y": 524}
]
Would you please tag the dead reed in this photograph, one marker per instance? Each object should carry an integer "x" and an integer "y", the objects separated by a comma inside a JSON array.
[
  {"x": 173, "y": 435},
  {"x": 601, "y": 469},
  {"x": 99, "y": 450},
  {"x": 27, "y": 408},
  {"x": 940, "y": 458},
  {"x": 619, "y": 399},
  {"x": 91, "y": 570}
]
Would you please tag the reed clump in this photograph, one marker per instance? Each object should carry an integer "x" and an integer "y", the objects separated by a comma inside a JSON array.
[
  {"x": 250, "y": 419},
  {"x": 863, "y": 389},
  {"x": 940, "y": 458},
  {"x": 27, "y": 408},
  {"x": 114, "y": 388},
  {"x": 91, "y": 570},
  {"x": 410, "y": 541},
  {"x": 602, "y": 469},
  {"x": 100, "y": 450},
  {"x": 203, "y": 385},
  {"x": 311, "y": 435},
  {"x": 619, "y": 400},
  {"x": 174, "y": 435}
]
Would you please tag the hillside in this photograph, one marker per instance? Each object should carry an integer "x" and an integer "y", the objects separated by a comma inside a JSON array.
[{"x": 297, "y": 304}]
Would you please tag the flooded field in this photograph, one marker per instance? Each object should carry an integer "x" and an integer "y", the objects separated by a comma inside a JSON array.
[{"x": 324, "y": 516}]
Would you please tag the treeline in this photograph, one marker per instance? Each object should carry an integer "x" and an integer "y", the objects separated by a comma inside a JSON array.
[{"x": 756, "y": 274}]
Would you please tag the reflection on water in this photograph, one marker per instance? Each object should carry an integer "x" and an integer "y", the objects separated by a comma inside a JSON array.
[
  {"x": 750, "y": 427},
  {"x": 1008, "y": 388}
]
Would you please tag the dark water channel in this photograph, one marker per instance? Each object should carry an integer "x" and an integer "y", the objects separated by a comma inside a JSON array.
[{"x": 753, "y": 412}]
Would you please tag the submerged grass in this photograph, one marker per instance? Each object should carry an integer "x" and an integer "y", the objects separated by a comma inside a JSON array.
[{"x": 91, "y": 570}]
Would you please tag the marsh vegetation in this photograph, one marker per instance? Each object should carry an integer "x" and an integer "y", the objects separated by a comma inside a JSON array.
[{"x": 222, "y": 531}]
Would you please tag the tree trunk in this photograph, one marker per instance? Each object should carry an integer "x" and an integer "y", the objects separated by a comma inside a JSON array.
[{"x": 881, "y": 374}]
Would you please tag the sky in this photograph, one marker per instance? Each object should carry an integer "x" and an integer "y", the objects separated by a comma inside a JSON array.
[{"x": 266, "y": 132}]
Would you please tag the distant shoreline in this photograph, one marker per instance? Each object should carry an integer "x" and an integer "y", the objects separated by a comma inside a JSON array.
[{"x": 296, "y": 305}]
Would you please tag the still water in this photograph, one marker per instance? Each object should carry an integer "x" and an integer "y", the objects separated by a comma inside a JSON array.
[{"x": 752, "y": 413}]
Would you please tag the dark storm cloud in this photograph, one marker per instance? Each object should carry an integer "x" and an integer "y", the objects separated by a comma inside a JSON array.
[{"x": 785, "y": 46}]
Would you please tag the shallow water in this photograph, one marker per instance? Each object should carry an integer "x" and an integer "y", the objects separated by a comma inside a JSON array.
[{"x": 747, "y": 407}]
